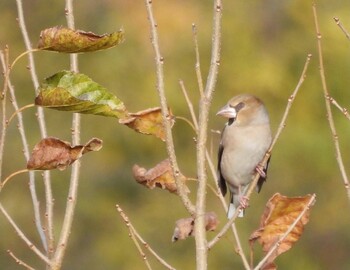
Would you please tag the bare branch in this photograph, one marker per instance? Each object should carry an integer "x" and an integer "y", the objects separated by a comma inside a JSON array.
[
  {"x": 74, "y": 180},
  {"x": 165, "y": 112},
  {"x": 6, "y": 71},
  {"x": 328, "y": 106},
  {"x": 198, "y": 65},
  {"x": 340, "y": 108},
  {"x": 20, "y": 262},
  {"x": 189, "y": 104},
  {"x": 23, "y": 237},
  {"x": 341, "y": 26},
  {"x": 42, "y": 127},
  {"x": 135, "y": 236},
  {"x": 204, "y": 105}
]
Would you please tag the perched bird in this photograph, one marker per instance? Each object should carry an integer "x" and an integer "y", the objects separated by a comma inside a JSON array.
[{"x": 244, "y": 142}]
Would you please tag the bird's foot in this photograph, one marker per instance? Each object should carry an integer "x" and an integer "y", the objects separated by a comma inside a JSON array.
[
  {"x": 244, "y": 202},
  {"x": 261, "y": 170}
]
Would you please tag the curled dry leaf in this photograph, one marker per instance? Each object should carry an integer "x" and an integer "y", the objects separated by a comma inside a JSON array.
[
  {"x": 185, "y": 227},
  {"x": 66, "y": 40},
  {"x": 52, "y": 153},
  {"x": 76, "y": 92},
  {"x": 280, "y": 213},
  {"x": 149, "y": 121},
  {"x": 159, "y": 176}
]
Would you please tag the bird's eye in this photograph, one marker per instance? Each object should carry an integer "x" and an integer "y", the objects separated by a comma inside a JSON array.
[{"x": 239, "y": 106}]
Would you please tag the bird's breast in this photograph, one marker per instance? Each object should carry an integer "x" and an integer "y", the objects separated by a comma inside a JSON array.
[{"x": 244, "y": 148}]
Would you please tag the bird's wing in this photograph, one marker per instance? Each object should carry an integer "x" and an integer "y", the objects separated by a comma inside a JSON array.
[
  {"x": 262, "y": 180},
  {"x": 221, "y": 180}
]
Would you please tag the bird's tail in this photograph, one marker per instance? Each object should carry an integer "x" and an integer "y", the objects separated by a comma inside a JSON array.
[{"x": 232, "y": 208}]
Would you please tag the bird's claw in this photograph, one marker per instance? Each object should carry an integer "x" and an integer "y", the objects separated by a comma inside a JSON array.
[
  {"x": 261, "y": 170},
  {"x": 244, "y": 202}
]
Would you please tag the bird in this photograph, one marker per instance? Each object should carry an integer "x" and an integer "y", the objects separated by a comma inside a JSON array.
[{"x": 245, "y": 140}]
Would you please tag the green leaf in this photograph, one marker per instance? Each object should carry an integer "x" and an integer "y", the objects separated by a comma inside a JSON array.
[
  {"x": 76, "y": 92},
  {"x": 66, "y": 40}
]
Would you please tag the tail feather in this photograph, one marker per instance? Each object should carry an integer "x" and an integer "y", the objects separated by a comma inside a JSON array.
[{"x": 231, "y": 211}]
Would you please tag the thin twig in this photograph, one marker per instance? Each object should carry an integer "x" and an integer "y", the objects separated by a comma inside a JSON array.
[
  {"x": 18, "y": 261},
  {"x": 204, "y": 105},
  {"x": 133, "y": 237},
  {"x": 189, "y": 104},
  {"x": 341, "y": 26},
  {"x": 23, "y": 237},
  {"x": 291, "y": 227},
  {"x": 165, "y": 112},
  {"x": 328, "y": 106},
  {"x": 136, "y": 237},
  {"x": 74, "y": 180},
  {"x": 198, "y": 64},
  {"x": 340, "y": 108},
  {"x": 6, "y": 72},
  {"x": 26, "y": 153},
  {"x": 268, "y": 153},
  {"x": 43, "y": 131}
]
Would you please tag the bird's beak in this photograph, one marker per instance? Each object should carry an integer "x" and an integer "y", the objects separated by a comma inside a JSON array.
[{"x": 228, "y": 112}]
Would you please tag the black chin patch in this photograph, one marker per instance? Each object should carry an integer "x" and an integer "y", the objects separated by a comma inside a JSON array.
[{"x": 230, "y": 121}]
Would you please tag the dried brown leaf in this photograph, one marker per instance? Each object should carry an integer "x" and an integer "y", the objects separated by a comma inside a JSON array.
[
  {"x": 185, "y": 227},
  {"x": 280, "y": 213},
  {"x": 160, "y": 175},
  {"x": 52, "y": 153},
  {"x": 66, "y": 40},
  {"x": 148, "y": 121}
]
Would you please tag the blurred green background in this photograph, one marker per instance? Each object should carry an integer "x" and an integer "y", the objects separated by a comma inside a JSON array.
[{"x": 264, "y": 47}]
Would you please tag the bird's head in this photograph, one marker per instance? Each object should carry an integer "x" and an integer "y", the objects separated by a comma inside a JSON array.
[{"x": 245, "y": 109}]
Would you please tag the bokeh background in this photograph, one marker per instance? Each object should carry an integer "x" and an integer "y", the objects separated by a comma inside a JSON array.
[{"x": 264, "y": 47}]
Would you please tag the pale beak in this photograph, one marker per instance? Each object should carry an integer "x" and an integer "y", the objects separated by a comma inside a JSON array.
[{"x": 227, "y": 112}]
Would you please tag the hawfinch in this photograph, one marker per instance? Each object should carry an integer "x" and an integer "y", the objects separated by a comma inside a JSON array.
[{"x": 244, "y": 142}]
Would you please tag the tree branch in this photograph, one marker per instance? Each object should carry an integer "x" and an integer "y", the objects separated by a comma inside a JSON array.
[
  {"x": 165, "y": 112},
  {"x": 341, "y": 26},
  {"x": 204, "y": 105},
  {"x": 328, "y": 106},
  {"x": 18, "y": 261},
  {"x": 23, "y": 237},
  {"x": 42, "y": 127},
  {"x": 74, "y": 180},
  {"x": 135, "y": 236}
]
